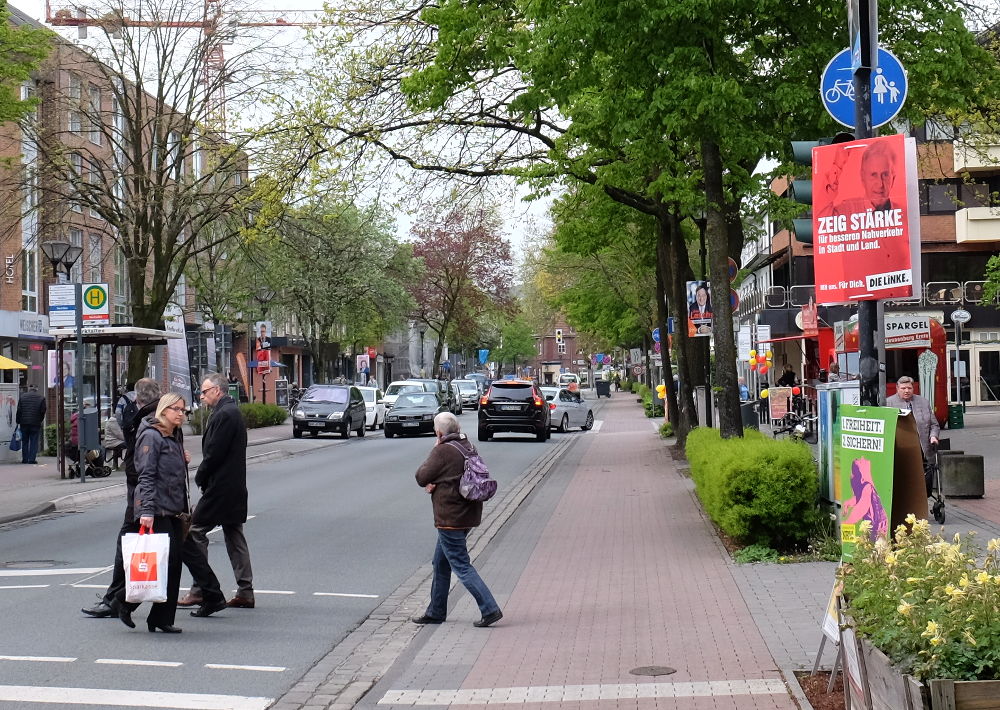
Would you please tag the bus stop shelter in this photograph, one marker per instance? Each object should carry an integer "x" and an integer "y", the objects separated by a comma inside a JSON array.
[{"x": 114, "y": 336}]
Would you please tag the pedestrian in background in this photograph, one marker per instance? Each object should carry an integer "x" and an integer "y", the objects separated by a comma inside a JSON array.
[
  {"x": 454, "y": 516},
  {"x": 161, "y": 497},
  {"x": 222, "y": 478},
  {"x": 744, "y": 390},
  {"x": 927, "y": 424},
  {"x": 787, "y": 378},
  {"x": 30, "y": 417},
  {"x": 147, "y": 395}
]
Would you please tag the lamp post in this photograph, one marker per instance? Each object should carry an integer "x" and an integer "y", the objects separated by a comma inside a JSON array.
[
  {"x": 422, "y": 329},
  {"x": 65, "y": 254},
  {"x": 264, "y": 296}
]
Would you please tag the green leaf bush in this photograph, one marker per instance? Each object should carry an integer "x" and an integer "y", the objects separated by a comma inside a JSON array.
[
  {"x": 198, "y": 419},
  {"x": 757, "y": 490},
  {"x": 258, "y": 415}
]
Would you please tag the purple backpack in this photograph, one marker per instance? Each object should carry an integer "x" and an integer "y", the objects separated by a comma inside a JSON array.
[{"x": 476, "y": 484}]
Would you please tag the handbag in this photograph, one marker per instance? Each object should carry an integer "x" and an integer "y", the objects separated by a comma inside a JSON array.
[
  {"x": 145, "y": 555},
  {"x": 15, "y": 439},
  {"x": 185, "y": 518}
]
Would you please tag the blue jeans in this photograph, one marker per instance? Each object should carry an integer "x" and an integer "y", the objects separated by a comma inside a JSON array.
[
  {"x": 450, "y": 554},
  {"x": 29, "y": 443}
]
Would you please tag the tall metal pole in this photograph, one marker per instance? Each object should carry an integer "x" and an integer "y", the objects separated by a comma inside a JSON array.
[
  {"x": 78, "y": 382},
  {"x": 871, "y": 364}
]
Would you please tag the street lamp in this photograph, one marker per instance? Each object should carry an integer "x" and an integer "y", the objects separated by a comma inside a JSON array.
[
  {"x": 422, "y": 329},
  {"x": 263, "y": 295},
  {"x": 65, "y": 254}
]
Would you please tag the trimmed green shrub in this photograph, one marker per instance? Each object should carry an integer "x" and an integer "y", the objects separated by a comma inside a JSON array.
[
  {"x": 757, "y": 490},
  {"x": 259, "y": 414},
  {"x": 652, "y": 404},
  {"x": 640, "y": 390},
  {"x": 51, "y": 439},
  {"x": 666, "y": 430}
]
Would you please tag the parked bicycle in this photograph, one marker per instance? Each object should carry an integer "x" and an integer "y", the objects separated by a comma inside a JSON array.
[{"x": 797, "y": 426}]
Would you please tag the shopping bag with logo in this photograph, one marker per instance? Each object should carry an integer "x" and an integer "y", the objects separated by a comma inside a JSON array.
[
  {"x": 15, "y": 439},
  {"x": 476, "y": 484},
  {"x": 145, "y": 557}
]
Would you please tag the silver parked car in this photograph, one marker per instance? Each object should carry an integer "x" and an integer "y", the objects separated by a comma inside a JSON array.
[
  {"x": 470, "y": 391},
  {"x": 571, "y": 409}
]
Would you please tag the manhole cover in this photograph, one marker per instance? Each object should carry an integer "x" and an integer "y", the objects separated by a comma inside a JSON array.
[
  {"x": 653, "y": 670},
  {"x": 30, "y": 564}
]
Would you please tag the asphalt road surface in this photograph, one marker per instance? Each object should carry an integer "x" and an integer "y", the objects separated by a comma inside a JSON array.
[{"x": 334, "y": 529}]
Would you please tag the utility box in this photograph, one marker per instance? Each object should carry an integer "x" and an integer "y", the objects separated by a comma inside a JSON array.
[
  {"x": 963, "y": 476},
  {"x": 748, "y": 413},
  {"x": 956, "y": 416},
  {"x": 89, "y": 429}
]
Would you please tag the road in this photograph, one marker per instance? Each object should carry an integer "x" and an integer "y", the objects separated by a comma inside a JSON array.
[{"x": 334, "y": 529}]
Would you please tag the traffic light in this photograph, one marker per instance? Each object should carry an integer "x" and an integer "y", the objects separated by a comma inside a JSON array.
[
  {"x": 800, "y": 189},
  {"x": 559, "y": 337}
]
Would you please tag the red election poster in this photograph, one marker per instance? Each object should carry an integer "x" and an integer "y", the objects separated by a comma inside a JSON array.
[{"x": 866, "y": 220}]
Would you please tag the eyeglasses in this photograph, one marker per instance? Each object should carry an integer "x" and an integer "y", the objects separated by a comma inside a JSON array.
[
  {"x": 182, "y": 410},
  {"x": 209, "y": 389}
]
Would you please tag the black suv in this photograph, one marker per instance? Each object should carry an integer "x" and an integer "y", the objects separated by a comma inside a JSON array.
[
  {"x": 336, "y": 408},
  {"x": 514, "y": 405}
]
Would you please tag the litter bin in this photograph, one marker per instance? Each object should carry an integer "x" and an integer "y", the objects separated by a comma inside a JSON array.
[
  {"x": 748, "y": 413},
  {"x": 603, "y": 388},
  {"x": 956, "y": 416}
]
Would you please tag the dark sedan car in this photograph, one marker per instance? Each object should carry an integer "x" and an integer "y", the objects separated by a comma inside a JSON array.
[
  {"x": 330, "y": 408},
  {"x": 413, "y": 413},
  {"x": 514, "y": 405}
]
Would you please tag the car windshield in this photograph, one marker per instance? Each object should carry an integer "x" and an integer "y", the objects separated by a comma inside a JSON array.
[
  {"x": 549, "y": 392},
  {"x": 511, "y": 393},
  {"x": 467, "y": 386},
  {"x": 400, "y": 389},
  {"x": 417, "y": 400},
  {"x": 369, "y": 395},
  {"x": 326, "y": 394}
]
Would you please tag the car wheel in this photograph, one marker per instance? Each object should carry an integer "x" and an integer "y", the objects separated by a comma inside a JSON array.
[
  {"x": 589, "y": 424},
  {"x": 388, "y": 432},
  {"x": 314, "y": 434},
  {"x": 564, "y": 424},
  {"x": 361, "y": 430},
  {"x": 484, "y": 434},
  {"x": 542, "y": 434},
  {"x": 297, "y": 433},
  {"x": 346, "y": 431}
]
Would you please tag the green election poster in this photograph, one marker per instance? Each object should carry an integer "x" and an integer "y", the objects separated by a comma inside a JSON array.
[{"x": 864, "y": 442}]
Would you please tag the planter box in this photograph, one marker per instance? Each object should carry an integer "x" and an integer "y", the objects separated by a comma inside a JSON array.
[{"x": 892, "y": 690}]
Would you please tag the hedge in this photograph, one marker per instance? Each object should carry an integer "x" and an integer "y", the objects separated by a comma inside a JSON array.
[
  {"x": 757, "y": 490},
  {"x": 259, "y": 414}
]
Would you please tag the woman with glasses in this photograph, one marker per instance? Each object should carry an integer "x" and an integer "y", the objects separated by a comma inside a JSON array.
[{"x": 161, "y": 499}]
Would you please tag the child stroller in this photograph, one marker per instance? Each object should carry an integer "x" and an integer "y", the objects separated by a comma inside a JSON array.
[{"x": 932, "y": 477}]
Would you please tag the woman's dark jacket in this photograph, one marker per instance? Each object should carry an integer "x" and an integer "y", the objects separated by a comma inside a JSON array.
[
  {"x": 222, "y": 474},
  {"x": 131, "y": 432},
  {"x": 159, "y": 459},
  {"x": 444, "y": 468}
]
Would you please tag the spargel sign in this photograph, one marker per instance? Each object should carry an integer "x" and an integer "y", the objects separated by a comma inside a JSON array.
[{"x": 907, "y": 332}]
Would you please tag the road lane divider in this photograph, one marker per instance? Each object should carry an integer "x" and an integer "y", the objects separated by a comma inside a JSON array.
[
  {"x": 24, "y": 586},
  {"x": 130, "y": 698},
  {"x": 137, "y": 662},
  {"x": 51, "y": 572},
  {"x": 345, "y": 594},
  {"x": 39, "y": 659},
  {"x": 231, "y": 667}
]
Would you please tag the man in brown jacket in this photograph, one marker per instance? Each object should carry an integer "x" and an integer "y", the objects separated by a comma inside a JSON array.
[{"x": 454, "y": 516}]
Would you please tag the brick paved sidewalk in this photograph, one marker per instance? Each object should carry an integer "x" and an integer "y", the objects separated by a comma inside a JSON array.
[{"x": 609, "y": 566}]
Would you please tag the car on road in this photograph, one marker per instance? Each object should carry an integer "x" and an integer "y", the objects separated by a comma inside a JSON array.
[
  {"x": 400, "y": 387},
  {"x": 413, "y": 413},
  {"x": 571, "y": 409},
  {"x": 483, "y": 380},
  {"x": 470, "y": 391},
  {"x": 441, "y": 387},
  {"x": 568, "y": 378},
  {"x": 330, "y": 408},
  {"x": 374, "y": 407},
  {"x": 514, "y": 406}
]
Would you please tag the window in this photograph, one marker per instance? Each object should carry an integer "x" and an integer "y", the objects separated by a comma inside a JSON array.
[
  {"x": 94, "y": 258},
  {"x": 75, "y": 121},
  {"x": 121, "y": 287},
  {"x": 76, "y": 239},
  {"x": 76, "y": 163},
  {"x": 95, "y": 115},
  {"x": 975, "y": 195},
  {"x": 29, "y": 281},
  {"x": 561, "y": 348},
  {"x": 94, "y": 178},
  {"x": 174, "y": 166}
]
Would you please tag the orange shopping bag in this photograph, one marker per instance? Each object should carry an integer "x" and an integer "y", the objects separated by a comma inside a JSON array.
[{"x": 145, "y": 556}]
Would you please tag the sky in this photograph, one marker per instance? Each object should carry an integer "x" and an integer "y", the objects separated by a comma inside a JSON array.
[{"x": 522, "y": 220}]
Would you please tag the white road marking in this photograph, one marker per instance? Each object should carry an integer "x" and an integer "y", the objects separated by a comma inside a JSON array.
[
  {"x": 598, "y": 423},
  {"x": 345, "y": 594},
  {"x": 135, "y": 662},
  {"x": 131, "y": 698},
  {"x": 576, "y": 693},
  {"x": 229, "y": 667},
  {"x": 269, "y": 591},
  {"x": 89, "y": 586},
  {"x": 50, "y": 572},
  {"x": 38, "y": 659},
  {"x": 97, "y": 574},
  {"x": 24, "y": 586}
]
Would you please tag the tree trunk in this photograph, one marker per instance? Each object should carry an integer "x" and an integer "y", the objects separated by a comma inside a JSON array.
[
  {"x": 664, "y": 276},
  {"x": 717, "y": 237},
  {"x": 668, "y": 229}
]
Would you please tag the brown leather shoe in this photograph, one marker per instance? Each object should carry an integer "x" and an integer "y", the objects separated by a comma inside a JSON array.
[
  {"x": 190, "y": 600},
  {"x": 240, "y": 603}
]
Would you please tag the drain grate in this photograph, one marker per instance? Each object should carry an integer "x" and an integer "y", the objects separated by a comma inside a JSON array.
[
  {"x": 32, "y": 564},
  {"x": 653, "y": 670}
]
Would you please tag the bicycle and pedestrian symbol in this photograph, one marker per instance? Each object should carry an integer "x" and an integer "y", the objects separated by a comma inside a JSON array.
[{"x": 888, "y": 88}]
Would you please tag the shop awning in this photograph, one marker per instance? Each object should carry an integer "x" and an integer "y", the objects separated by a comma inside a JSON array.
[{"x": 7, "y": 364}]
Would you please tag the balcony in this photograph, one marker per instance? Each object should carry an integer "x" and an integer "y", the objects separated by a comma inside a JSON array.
[
  {"x": 977, "y": 224},
  {"x": 981, "y": 157}
]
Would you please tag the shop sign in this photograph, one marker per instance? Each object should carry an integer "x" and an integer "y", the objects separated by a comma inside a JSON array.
[
  {"x": 10, "y": 274},
  {"x": 907, "y": 332}
]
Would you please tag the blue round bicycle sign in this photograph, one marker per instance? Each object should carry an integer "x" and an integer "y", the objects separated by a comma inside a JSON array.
[{"x": 888, "y": 87}]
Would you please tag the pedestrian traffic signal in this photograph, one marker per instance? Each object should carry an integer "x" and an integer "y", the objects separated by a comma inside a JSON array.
[{"x": 800, "y": 189}]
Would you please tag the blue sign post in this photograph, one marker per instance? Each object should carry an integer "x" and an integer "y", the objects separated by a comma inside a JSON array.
[{"x": 888, "y": 88}]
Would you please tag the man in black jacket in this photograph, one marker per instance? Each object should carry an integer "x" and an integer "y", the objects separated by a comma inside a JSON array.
[
  {"x": 222, "y": 478},
  {"x": 147, "y": 395},
  {"x": 30, "y": 417}
]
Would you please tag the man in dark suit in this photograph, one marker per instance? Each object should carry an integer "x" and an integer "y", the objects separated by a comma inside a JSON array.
[
  {"x": 222, "y": 478},
  {"x": 30, "y": 417}
]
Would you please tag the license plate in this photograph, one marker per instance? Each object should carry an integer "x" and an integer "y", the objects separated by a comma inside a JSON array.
[
  {"x": 510, "y": 407},
  {"x": 411, "y": 423},
  {"x": 317, "y": 423}
]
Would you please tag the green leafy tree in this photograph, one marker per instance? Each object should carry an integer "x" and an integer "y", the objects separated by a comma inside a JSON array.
[
  {"x": 517, "y": 342},
  {"x": 22, "y": 49}
]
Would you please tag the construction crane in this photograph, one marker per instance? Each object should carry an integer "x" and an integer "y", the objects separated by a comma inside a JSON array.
[{"x": 211, "y": 24}]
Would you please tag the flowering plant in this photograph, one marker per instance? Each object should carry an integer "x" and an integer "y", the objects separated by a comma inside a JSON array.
[{"x": 932, "y": 606}]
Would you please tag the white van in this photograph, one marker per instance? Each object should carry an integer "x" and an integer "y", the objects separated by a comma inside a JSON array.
[{"x": 568, "y": 378}]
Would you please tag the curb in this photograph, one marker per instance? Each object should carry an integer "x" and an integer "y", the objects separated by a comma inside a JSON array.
[{"x": 792, "y": 681}]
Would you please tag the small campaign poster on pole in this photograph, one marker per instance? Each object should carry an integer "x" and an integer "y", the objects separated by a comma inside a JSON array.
[
  {"x": 699, "y": 295},
  {"x": 864, "y": 443},
  {"x": 262, "y": 346},
  {"x": 866, "y": 220}
]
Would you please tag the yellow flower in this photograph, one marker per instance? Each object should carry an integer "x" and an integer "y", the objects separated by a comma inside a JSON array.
[
  {"x": 952, "y": 591},
  {"x": 911, "y": 519},
  {"x": 890, "y": 559},
  {"x": 993, "y": 545},
  {"x": 964, "y": 581},
  {"x": 931, "y": 630},
  {"x": 904, "y": 608},
  {"x": 937, "y": 641},
  {"x": 982, "y": 578},
  {"x": 864, "y": 529}
]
